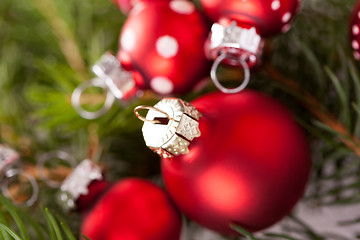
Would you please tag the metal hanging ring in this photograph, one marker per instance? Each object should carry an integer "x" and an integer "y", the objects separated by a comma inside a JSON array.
[
  {"x": 5, "y": 186},
  {"x": 75, "y": 99},
  {"x": 215, "y": 80},
  {"x": 64, "y": 156},
  {"x": 144, "y": 119}
]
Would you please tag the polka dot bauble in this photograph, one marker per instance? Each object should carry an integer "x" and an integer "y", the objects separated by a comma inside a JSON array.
[
  {"x": 355, "y": 31},
  {"x": 246, "y": 23},
  {"x": 269, "y": 17},
  {"x": 163, "y": 43}
]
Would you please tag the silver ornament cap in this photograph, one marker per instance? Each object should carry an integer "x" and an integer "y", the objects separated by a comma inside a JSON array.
[
  {"x": 119, "y": 81},
  {"x": 77, "y": 183},
  {"x": 236, "y": 42},
  {"x": 170, "y": 126},
  {"x": 8, "y": 157}
]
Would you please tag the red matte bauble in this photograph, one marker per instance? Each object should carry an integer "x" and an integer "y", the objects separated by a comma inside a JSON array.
[
  {"x": 249, "y": 166},
  {"x": 269, "y": 17},
  {"x": 163, "y": 41},
  {"x": 355, "y": 30},
  {"x": 133, "y": 209},
  {"x": 95, "y": 189}
]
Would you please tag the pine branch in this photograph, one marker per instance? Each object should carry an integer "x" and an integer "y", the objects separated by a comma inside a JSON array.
[
  {"x": 316, "y": 108},
  {"x": 65, "y": 37}
]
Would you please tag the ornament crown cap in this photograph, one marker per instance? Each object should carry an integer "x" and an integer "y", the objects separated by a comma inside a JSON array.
[
  {"x": 8, "y": 157},
  {"x": 77, "y": 183},
  {"x": 172, "y": 137},
  {"x": 235, "y": 37},
  {"x": 118, "y": 80}
]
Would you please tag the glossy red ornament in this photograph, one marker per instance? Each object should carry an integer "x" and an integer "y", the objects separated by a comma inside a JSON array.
[
  {"x": 249, "y": 166},
  {"x": 252, "y": 19},
  {"x": 133, "y": 209},
  {"x": 163, "y": 42},
  {"x": 269, "y": 17},
  {"x": 355, "y": 30}
]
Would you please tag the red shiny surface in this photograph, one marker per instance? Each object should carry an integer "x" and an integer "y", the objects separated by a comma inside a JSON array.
[
  {"x": 164, "y": 42},
  {"x": 249, "y": 166},
  {"x": 269, "y": 17},
  {"x": 133, "y": 209},
  {"x": 355, "y": 30},
  {"x": 95, "y": 189}
]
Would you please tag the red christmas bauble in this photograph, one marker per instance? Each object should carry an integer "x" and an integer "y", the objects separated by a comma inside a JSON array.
[
  {"x": 269, "y": 17},
  {"x": 133, "y": 209},
  {"x": 249, "y": 166},
  {"x": 355, "y": 30},
  {"x": 86, "y": 201},
  {"x": 164, "y": 42},
  {"x": 241, "y": 26}
]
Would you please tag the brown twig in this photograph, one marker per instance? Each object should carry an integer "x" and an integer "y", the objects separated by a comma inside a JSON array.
[
  {"x": 94, "y": 150},
  {"x": 316, "y": 108},
  {"x": 59, "y": 172}
]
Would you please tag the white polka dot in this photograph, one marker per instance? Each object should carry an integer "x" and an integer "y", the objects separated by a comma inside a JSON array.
[
  {"x": 182, "y": 6},
  {"x": 357, "y": 55},
  {"x": 161, "y": 85},
  {"x": 286, "y": 17},
  {"x": 355, "y": 29},
  {"x": 167, "y": 46},
  {"x": 358, "y": 14},
  {"x": 252, "y": 58},
  {"x": 275, "y": 5},
  {"x": 355, "y": 44},
  {"x": 128, "y": 40},
  {"x": 285, "y": 28}
]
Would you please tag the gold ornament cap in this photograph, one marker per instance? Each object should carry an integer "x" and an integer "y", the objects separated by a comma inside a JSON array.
[{"x": 170, "y": 126}]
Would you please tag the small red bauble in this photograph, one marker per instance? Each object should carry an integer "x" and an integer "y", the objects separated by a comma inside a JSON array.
[
  {"x": 241, "y": 25},
  {"x": 355, "y": 30},
  {"x": 163, "y": 41},
  {"x": 129, "y": 209},
  {"x": 248, "y": 162},
  {"x": 133, "y": 209}
]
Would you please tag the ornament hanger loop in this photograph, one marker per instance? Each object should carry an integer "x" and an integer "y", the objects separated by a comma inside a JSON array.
[
  {"x": 215, "y": 80},
  {"x": 5, "y": 185},
  {"x": 63, "y": 156},
  {"x": 75, "y": 99},
  {"x": 144, "y": 119}
]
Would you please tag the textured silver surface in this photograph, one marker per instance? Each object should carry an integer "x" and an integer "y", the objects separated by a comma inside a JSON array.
[
  {"x": 8, "y": 156},
  {"x": 118, "y": 80},
  {"x": 77, "y": 183}
]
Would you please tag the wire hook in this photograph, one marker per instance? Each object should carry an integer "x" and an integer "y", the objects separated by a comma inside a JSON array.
[
  {"x": 215, "y": 80},
  {"x": 75, "y": 99},
  {"x": 144, "y": 119}
]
